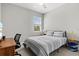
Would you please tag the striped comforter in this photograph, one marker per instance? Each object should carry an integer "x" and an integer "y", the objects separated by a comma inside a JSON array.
[{"x": 44, "y": 45}]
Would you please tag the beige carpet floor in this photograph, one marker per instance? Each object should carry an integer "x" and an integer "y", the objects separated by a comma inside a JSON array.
[{"x": 63, "y": 51}]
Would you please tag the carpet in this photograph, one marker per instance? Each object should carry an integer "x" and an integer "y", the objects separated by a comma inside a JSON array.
[{"x": 63, "y": 51}]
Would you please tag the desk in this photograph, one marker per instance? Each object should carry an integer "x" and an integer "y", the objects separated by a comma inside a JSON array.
[{"x": 7, "y": 47}]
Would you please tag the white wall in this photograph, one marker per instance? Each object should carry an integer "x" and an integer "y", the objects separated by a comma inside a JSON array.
[
  {"x": 18, "y": 20},
  {"x": 65, "y": 17}
]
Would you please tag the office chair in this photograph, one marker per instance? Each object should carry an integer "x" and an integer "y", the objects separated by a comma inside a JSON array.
[{"x": 18, "y": 45}]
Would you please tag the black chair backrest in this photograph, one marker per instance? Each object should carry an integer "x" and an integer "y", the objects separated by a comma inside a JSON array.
[{"x": 17, "y": 37}]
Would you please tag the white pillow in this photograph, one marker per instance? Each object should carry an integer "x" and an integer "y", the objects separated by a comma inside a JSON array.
[
  {"x": 58, "y": 34},
  {"x": 49, "y": 33}
]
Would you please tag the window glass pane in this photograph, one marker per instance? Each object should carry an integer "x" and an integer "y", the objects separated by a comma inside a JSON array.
[
  {"x": 36, "y": 27},
  {"x": 37, "y": 23},
  {"x": 1, "y": 29},
  {"x": 0, "y": 34},
  {"x": 37, "y": 20}
]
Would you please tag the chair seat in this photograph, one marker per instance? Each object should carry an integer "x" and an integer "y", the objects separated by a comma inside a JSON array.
[{"x": 17, "y": 46}]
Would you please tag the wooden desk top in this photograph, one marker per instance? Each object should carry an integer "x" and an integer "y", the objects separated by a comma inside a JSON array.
[{"x": 8, "y": 42}]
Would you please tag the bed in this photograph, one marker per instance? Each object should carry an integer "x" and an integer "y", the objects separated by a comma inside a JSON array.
[{"x": 44, "y": 45}]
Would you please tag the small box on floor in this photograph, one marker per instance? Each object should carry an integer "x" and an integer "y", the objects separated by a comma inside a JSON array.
[{"x": 73, "y": 46}]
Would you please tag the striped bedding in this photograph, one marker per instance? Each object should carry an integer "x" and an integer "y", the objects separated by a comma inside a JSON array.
[{"x": 44, "y": 45}]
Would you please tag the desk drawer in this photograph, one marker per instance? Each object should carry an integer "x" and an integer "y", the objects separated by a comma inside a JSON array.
[
  {"x": 2, "y": 52},
  {"x": 9, "y": 51}
]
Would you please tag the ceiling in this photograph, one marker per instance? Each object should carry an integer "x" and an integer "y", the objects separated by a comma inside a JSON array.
[{"x": 40, "y": 7}]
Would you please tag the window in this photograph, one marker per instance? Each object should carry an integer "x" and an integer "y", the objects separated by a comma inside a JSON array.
[
  {"x": 37, "y": 23},
  {"x": 0, "y": 29}
]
